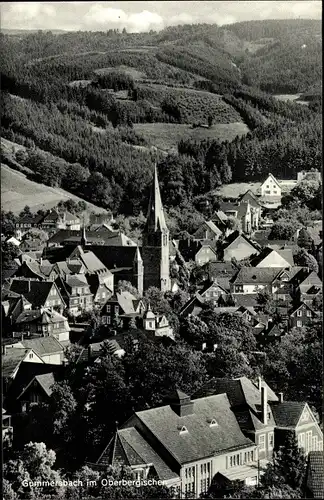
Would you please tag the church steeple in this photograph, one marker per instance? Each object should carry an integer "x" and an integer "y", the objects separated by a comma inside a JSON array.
[
  {"x": 155, "y": 249},
  {"x": 155, "y": 215},
  {"x": 83, "y": 235}
]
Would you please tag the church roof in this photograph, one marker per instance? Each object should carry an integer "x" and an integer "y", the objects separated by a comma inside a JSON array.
[{"x": 155, "y": 215}]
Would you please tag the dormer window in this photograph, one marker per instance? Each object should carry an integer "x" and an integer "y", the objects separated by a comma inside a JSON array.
[
  {"x": 183, "y": 430},
  {"x": 212, "y": 422}
]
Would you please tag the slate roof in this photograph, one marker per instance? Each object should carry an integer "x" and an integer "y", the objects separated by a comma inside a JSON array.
[
  {"x": 12, "y": 359},
  {"x": 115, "y": 257},
  {"x": 201, "y": 440},
  {"x": 46, "y": 381},
  {"x": 226, "y": 206},
  {"x": 287, "y": 413},
  {"x": 130, "y": 448},
  {"x": 212, "y": 226},
  {"x": 240, "y": 391},
  {"x": 38, "y": 293},
  {"x": 246, "y": 299},
  {"x": 284, "y": 253},
  {"x": 217, "y": 269},
  {"x": 189, "y": 248},
  {"x": 43, "y": 345},
  {"x": 250, "y": 196},
  {"x": 315, "y": 473},
  {"x": 235, "y": 237},
  {"x": 257, "y": 275}
]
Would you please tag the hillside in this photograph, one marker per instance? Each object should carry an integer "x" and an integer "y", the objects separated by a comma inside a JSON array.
[
  {"x": 102, "y": 107},
  {"x": 17, "y": 191}
]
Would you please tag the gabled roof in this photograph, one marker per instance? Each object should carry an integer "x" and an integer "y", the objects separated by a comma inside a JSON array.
[
  {"x": 12, "y": 359},
  {"x": 235, "y": 238},
  {"x": 126, "y": 301},
  {"x": 246, "y": 299},
  {"x": 130, "y": 448},
  {"x": 315, "y": 473},
  {"x": 201, "y": 440},
  {"x": 256, "y": 275},
  {"x": 288, "y": 413},
  {"x": 250, "y": 196},
  {"x": 45, "y": 381},
  {"x": 273, "y": 178},
  {"x": 36, "y": 294},
  {"x": 286, "y": 254},
  {"x": 212, "y": 226},
  {"x": 44, "y": 345},
  {"x": 240, "y": 391},
  {"x": 300, "y": 306}
]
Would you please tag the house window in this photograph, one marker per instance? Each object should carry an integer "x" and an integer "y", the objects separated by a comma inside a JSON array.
[
  {"x": 301, "y": 440},
  {"x": 299, "y": 313},
  {"x": 314, "y": 443},
  {"x": 108, "y": 308},
  {"x": 108, "y": 320},
  {"x": 309, "y": 314},
  {"x": 270, "y": 440},
  {"x": 320, "y": 446},
  {"x": 150, "y": 324},
  {"x": 262, "y": 446},
  {"x": 308, "y": 441},
  {"x": 116, "y": 309},
  {"x": 30, "y": 356},
  {"x": 299, "y": 324}
]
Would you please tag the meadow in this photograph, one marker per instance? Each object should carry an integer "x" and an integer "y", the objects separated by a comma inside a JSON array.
[{"x": 165, "y": 136}]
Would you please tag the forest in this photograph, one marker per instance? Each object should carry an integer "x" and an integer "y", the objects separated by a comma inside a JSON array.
[{"x": 77, "y": 114}]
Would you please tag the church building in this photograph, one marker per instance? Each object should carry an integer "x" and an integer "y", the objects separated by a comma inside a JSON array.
[{"x": 155, "y": 247}]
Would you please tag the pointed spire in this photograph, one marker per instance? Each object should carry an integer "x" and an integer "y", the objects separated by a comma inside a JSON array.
[
  {"x": 155, "y": 215},
  {"x": 83, "y": 236}
]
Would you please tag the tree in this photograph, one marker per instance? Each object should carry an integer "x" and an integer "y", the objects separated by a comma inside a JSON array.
[
  {"x": 283, "y": 230},
  {"x": 34, "y": 239},
  {"x": 305, "y": 240},
  {"x": 35, "y": 464},
  {"x": 8, "y": 223},
  {"x": 126, "y": 286},
  {"x": 25, "y": 211},
  {"x": 9, "y": 252},
  {"x": 154, "y": 369},
  {"x": 288, "y": 466},
  {"x": 304, "y": 259}
]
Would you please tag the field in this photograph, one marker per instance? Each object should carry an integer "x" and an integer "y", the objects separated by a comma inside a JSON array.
[
  {"x": 290, "y": 98},
  {"x": 165, "y": 136},
  {"x": 194, "y": 105},
  {"x": 133, "y": 72},
  {"x": 236, "y": 188},
  {"x": 17, "y": 192}
]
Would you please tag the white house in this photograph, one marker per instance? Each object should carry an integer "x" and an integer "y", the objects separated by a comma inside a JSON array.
[{"x": 270, "y": 187}]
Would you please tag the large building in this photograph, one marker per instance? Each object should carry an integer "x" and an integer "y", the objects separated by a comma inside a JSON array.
[{"x": 155, "y": 249}]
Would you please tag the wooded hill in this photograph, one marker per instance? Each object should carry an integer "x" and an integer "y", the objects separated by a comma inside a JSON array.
[{"x": 77, "y": 96}]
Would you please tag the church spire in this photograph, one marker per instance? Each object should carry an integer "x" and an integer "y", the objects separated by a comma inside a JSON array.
[
  {"x": 83, "y": 235},
  {"x": 155, "y": 216}
]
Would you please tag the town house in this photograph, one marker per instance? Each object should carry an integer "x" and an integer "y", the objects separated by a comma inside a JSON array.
[
  {"x": 39, "y": 293},
  {"x": 76, "y": 292},
  {"x": 302, "y": 315},
  {"x": 238, "y": 246},
  {"x": 185, "y": 443}
]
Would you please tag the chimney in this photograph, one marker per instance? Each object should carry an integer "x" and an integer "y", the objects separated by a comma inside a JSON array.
[
  {"x": 28, "y": 285},
  {"x": 280, "y": 397},
  {"x": 22, "y": 337},
  {"x": 264, "y": 404}
]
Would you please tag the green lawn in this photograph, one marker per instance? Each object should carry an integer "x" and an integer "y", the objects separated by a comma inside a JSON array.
[{"x": 166, "y": 136}]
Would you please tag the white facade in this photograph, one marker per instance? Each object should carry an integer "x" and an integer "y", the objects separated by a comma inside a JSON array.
[
  {"x": 270, "y": 187},
  {"x": 274, "y": 260}
]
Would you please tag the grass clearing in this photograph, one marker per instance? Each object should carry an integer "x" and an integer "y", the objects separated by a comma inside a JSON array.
[
  {"x": 165, "y": 136},
  {"x": 128, "y": 70},
  {"x": 17, "y": 191},
  {"x": 235, "y": 189}
]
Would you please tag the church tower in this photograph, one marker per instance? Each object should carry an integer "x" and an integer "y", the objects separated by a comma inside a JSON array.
[{"x": 155, "y": 248}]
